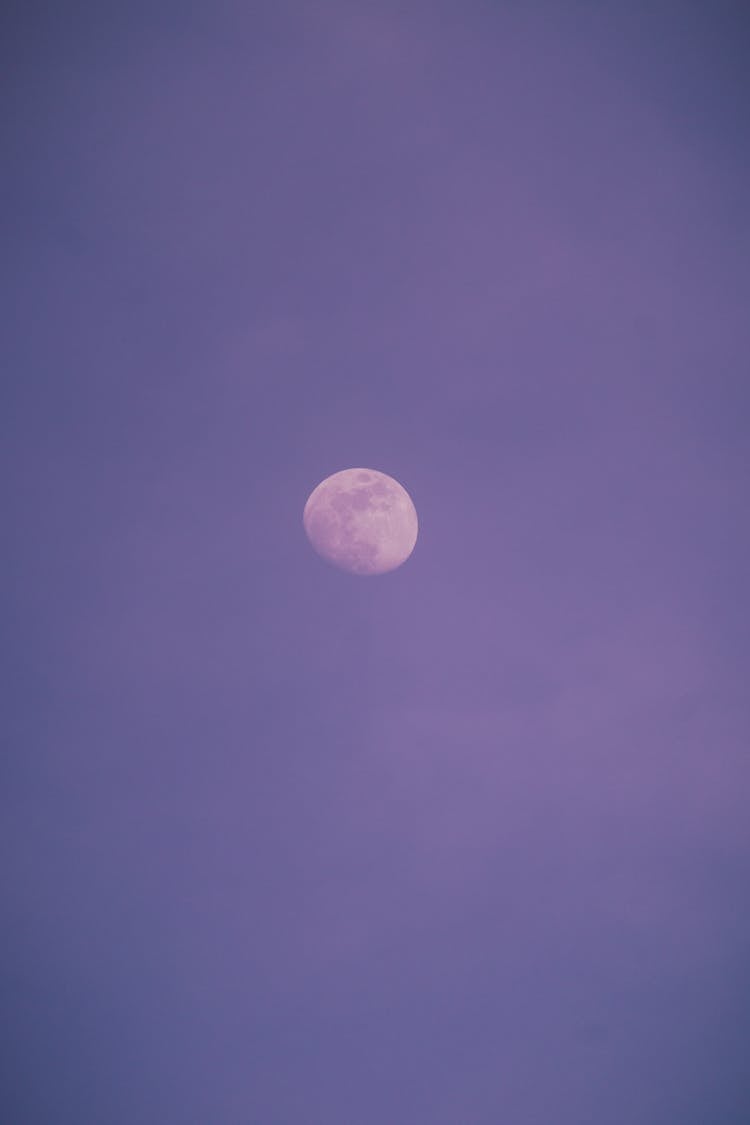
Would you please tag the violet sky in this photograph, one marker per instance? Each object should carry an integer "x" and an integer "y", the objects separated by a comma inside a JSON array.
[{"x": 469, "y": 843}]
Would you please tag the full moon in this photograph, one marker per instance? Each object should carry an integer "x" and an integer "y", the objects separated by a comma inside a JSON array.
[{"x": 361, "y": 521}]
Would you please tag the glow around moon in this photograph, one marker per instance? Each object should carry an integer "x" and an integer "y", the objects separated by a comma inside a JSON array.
[{"x": 362, "y": 521}]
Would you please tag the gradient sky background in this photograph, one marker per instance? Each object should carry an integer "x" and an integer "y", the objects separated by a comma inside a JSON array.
[{"x": 469, "y": 843}]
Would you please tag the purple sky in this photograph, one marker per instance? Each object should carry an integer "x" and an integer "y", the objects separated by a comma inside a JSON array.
[{"x": 469, "y": 843}]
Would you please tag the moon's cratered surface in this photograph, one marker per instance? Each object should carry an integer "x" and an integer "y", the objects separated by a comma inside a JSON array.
[{"x": 362, "y": 521}]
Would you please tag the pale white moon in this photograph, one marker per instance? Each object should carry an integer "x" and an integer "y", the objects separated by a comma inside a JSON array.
[{"x": 361, "y": 521}]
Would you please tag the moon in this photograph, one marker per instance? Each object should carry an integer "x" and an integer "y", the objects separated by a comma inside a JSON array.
[{"x": 362, "y": 521}]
